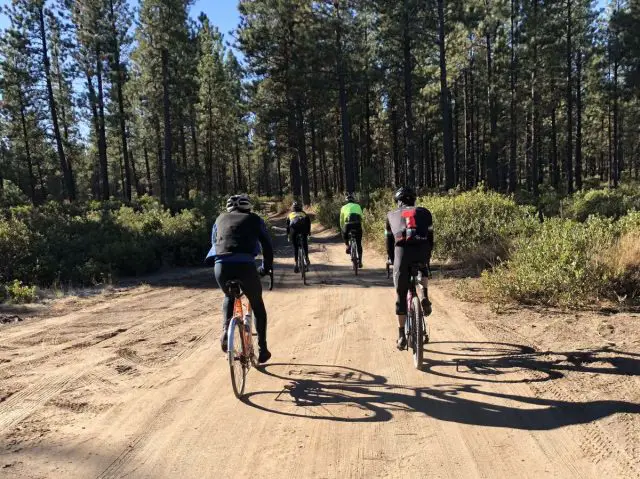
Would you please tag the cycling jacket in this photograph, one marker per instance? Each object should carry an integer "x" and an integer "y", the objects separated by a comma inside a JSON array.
[
  {"x": 351, "y": 213},
  {"x": 237, "y": 237},
  {"x": 299, "y": 222},
  {"x": 409, "y": 227}
]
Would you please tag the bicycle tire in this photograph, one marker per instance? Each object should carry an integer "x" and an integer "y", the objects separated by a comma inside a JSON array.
[
  {"x": 354, "y": 255},
  {"x": 388, "y": 271},
  {"x": 254, "y": 341},
  {"x": 302, "y": 266},
  {"x": 271, "y": 280},
  {"x": 236, "y": 354},
  {"x": 417, "y": 332}
]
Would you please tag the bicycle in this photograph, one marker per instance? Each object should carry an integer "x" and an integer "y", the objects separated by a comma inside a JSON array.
[
  {"x": 242, "y": 341},
  {"x": 302, "y": 260},
  {"x": 353, "y": 247},
  {"x": 415, "y": 326}
]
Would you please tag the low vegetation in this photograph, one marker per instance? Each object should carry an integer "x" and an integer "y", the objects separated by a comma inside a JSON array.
[
  {"x": 93, "y": 243},
  {"x": 587, "y": 253}
]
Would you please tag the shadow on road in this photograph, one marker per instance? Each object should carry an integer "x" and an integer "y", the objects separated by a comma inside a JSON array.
[{"x": 344, "y": 394}]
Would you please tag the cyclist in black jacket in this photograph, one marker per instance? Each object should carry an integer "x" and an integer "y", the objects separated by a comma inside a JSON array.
[
  {"x": 298, "y": 231},
  {"x": 409, "y": 233},
  {"x": 236, "y": 238}
]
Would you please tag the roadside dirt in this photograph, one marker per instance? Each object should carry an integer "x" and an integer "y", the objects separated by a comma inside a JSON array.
[{"x": 133, "y": 384}]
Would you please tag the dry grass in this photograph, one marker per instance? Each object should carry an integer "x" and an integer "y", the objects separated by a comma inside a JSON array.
[{"x": 623, "y": 260}]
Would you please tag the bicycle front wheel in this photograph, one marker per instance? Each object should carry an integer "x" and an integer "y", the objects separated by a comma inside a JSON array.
[
  {"x": 237, "y": 357},
  {"x": 417, "y": 332}
]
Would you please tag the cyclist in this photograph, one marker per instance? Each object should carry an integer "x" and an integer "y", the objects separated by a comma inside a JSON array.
[
  {"x": 298, "y": 231},
  {"x": 409, "y": 233},
  {"x": 236, "y": 238},
  {"x": 351, "y": 220}
]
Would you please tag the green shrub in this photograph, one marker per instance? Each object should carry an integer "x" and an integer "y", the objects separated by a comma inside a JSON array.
[
  {"x": 19, "y": 293},
  {"x": 477, "y": 226},
  {"x": 11, "y": 195},
  {"x": 91, "y": 243},
  {"x": 328, "y": 212},
  {"x": 609, "y": 203},
  {"x": 569, "y": 263}
]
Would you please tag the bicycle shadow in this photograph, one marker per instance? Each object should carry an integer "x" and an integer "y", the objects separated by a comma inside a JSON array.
[
  {"x": 509, "y": 363},
  {"x": 345, "y": 394}
]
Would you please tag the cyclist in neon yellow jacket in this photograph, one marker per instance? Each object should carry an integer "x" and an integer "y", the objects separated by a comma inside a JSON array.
[{"x": 351, "y": 220}]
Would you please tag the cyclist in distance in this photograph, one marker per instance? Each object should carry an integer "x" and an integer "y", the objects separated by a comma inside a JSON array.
[
  {"x": 298, "y": 231},
  {"x": 351, "y": 220},
  {"x": 409, "y": 234},
  {"x": 236, "y": 238}
]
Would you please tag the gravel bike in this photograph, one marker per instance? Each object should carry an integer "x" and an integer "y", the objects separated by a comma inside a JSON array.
[
  {"x": 242, "y": 344},
  {"x": 353, "y": 248},
  {"x": 416, "y": 329}
]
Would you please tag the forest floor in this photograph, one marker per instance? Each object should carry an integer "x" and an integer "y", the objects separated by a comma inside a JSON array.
[{"x": 132, "y": 383}]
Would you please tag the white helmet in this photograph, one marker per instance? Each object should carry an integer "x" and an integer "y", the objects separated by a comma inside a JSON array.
[{"x": 238, "y": 202}]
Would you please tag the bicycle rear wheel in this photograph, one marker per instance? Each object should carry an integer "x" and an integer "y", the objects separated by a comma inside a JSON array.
[
  {"x": 254, "y": 341},
  {"x": 237, "y": 357},
  {"x": 354, "y": 255},
  {"x": 302, "y": 265},
  {"x": 417, "y": 332}
]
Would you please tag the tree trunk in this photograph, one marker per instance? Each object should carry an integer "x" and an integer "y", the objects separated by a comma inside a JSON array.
[
  {"x": 536, "y": 166},
  {"x": 122, "y": 119},
  {"x": 569, "y": 162},
  {"x": 578, "y": 167},
  {"x": 445, "y": 104},
  {"x": 185, "y": 166},
  {"x": 167, "y": 161},
  {"x": 27, "y": 147},
  {"x": 102, "y": 136},
  {"x": 492, "y": 159},
  {"x": 148, "y": 168},
  {"x": 395, "y": 154},
  {"x": 456, "y": 123},
  {"x": 302, "y": 156},
  {"x": 344, "y": 112},
  {"x": 513, "y": 127},
  {"x": 196, "y": 156},
  {"x": 555, "y": 169},
  {"x": 313, "y": 157},
  {"x": 409, "y": 147},
  {"x": 159, "y": 162},
  {"x": 69, "y": 185},
  {"x": 616, "y": 119},
  {"x": 237, "y": 168}
]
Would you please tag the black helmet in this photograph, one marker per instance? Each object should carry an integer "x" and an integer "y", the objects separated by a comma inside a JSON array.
[
  {"x": 350, "y": 198},
  {"x": 405, "y": 195},
  {"x": 296, "y": 206}
]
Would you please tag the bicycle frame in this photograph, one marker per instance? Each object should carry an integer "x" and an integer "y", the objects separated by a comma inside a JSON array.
[{"x": 239, "y": 309}]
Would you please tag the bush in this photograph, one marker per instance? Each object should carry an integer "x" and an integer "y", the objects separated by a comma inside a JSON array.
[
  {"x": 19, "y": 293},
  {"x": 475, "y": 226},
  {"x": 608, "y": 203},
  {"x": 569, "y": 263},
  {"x": 328, "y": 212},
  {"x": 91, "y": 243}
]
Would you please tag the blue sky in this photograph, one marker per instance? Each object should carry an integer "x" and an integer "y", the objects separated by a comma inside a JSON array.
[{"x": 223, "y": 13}]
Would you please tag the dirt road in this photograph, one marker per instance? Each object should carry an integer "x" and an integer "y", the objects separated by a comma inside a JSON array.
[{"x": 133, "y": 385}]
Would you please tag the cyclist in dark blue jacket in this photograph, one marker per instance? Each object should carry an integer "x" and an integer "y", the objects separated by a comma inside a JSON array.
[{"x": 236, "y": 239}]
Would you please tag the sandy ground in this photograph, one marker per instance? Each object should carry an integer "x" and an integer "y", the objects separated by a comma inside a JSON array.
[{"x": 133, "y": 384}]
